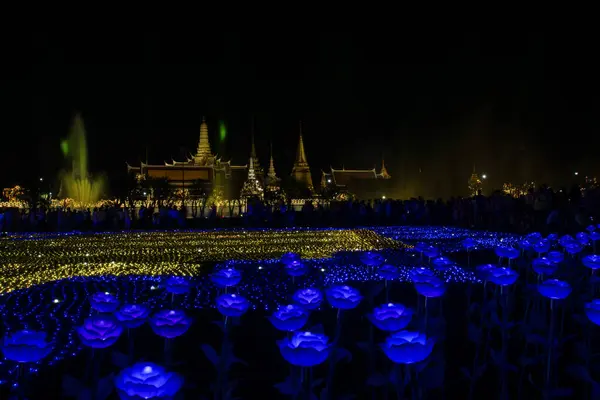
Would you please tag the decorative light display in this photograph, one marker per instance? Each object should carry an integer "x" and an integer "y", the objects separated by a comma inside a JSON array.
[{"x": 35, "y": 259}]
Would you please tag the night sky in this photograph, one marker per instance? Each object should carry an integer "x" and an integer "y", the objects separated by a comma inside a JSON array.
[{"x": 518, "y": 106}]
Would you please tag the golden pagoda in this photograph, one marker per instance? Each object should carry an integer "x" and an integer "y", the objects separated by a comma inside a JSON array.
[
  {"x": 474, "y": 183},
  {"x": 301, "y": 170}
]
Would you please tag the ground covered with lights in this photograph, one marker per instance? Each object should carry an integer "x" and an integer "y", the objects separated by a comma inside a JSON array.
[{"x": 297, "y": 313}]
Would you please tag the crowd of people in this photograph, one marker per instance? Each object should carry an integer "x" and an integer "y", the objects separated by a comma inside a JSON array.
[{"x": 544, "y": 209}]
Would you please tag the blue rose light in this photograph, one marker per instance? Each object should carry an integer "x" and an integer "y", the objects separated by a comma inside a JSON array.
[
  {"x": 503, "y": 276},
  {"x": 552, "y": 238},
  {"x": 421, "y": 247},
  {"x": 309, "y": 298},
  {"x": 534, "y": 237},
  {"x": 407, "y": 347},
  {"x": 541, "y": 246},
  {"x": 556, "y": 256},
  {"x": 591, "y": 261},
  {"x": 305, "y": 349},
  {"x": 420, "y": 274},
  {"x": 178, "y": 285},
  {"x": 594, "y": 236},
  {"x": 232, "y": 305},
  {"x": 389, "y": 272},
  {"x": 442, "y": 263},
  {"x": 343, "y": 297},
  {"x": 26, "y": 346},
  {"x": 296, "y": 268},
  {"x": 554, "y": 289},
  {"x": 133, "y": 315},
  {"x": 592, "y": 310},
  {"x": 391, "y": 317},
  {"x": 574, "y": 248},
  {"x": 371, "y": 259},
  {"x": 583, "y": 238},
  {"x": 469, "y": 244},
  {"x": 507, "y": 252},
  {"x": 104, "y": 302},
  {"x": 146, "y": 380},
  {"x": 289, "y": 318},
  {"x": 288, "y": 258},
  {"x": 544, "y": 266},
  {"x": 566, "y": 239},
  {"x": 432, "y": 287},
  {"x": 591, "y": 228},
  {"x": 431, "y": 252},
  {"x": 170, "y": 323},
  {"x": 224, "y": 278},
  {"x": 100, "y": 331},
  {"x": 484, "y": 271},
  {"x": 524, "y": 244}
]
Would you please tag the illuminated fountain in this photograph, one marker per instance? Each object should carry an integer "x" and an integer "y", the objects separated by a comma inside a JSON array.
[{"x": 78, "y": 184}]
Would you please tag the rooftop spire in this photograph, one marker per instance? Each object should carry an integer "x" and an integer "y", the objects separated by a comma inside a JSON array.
[
  {"x": 252, "y": 186},
  {"x": 251, "y": 174},
  {"x": 203, "y": 153},
  {"x": 301, "y": 170},
  {"x": 253, "y": 148},
  {"x": 301, "y": 155},
  {"x": 384, "y": 173}
]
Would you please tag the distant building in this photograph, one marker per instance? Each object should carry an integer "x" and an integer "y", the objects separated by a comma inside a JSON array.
[
  {"x": 361, "y": 183},
  {"x": 203, "y": 171},
  {"x": 301, "y": 171}
]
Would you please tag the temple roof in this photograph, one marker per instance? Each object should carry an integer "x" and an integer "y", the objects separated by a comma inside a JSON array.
[
  {"x": 343, "y": 177},
  {"x": 203, "y": 153},
  {"x": 300, "y": 154}
]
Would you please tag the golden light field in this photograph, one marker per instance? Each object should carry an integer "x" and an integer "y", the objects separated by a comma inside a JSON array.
[{"x": 28, "y": 262}]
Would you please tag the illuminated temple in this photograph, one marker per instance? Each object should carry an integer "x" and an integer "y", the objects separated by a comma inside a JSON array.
[{"x": 204, "y": 171}]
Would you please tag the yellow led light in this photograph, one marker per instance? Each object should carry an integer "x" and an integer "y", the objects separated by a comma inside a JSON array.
[{"x": 26, "y": 263}]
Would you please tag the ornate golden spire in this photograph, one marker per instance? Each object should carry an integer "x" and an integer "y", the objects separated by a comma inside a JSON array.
[
  {"x": 301, "y": 170},
  {"x": 203, "y": 154},
  {"x": 384, "y": 173},
  {"x": 271, "y": 174}
]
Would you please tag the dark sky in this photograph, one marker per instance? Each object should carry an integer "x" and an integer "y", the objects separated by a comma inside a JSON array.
[{"x": 519, "y": 106}]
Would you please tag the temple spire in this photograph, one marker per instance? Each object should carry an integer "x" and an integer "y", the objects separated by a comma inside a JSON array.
[
  {"x": 253, "y": 148},
  {"x": 203, "y": 154},
  {"x": 301, "y": 170},
  {"x": 252, "y": 187},
  {"x": 301, "y": 155},
  {"x": 271, "y": 174},
  {"x": 384, "y": 173},
  {"x": 251, "y": 174}
]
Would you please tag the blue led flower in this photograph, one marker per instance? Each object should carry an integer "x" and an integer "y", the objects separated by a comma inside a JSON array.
[
  {"x": 309, "y": 298},
  {"x": 431, "y": 252},
  {"x": 133, "y": 315},
  {"x": 574, "y": 248},
  {"x": 421, "y": 273},
  {"x": 371, "y": 259},
  {"x": 226, "y": 277},
  {"x": 552, "y": 238},
  {"x": 534, "y": 237},
  {"x": 566, "y": 239},
  {"x": 508, "y": 252},
  {"x": 544, "y": 266},
  {"x": 583, "y": 238},
  {"x": 592, "y": 310},
  {"x": 432, "y": 287},
  {"x": 178, "y": 285},
  {"x": 484, "y": 271},
  {"x": 541, "y": 246},
  {"x": 290, "y": 257},
  {"x": 296, "y": 268},
  {"x": 170, "y": 323},
  {"x": 591, "y": 228},
  {"x": 305, "y": 349},
  {"x": 343, "y": 297},
  {"x": 26, "y": 346},
  {"x": 442, "y": 263},
  {"x": 503, "y": 276},
  {"x": 146, "y": 380},
  {"x": 420, "y": 247},
  {"x": 389, "y": 272},
  {"x": 524, "y": 244},
  {"x": 104, "y": 302},
  {"x": 289, "y": 318},
  {"x": 591, "y": 261},
  {"x": 554, "y": 289},
  {"x": 100, "y": 331},
  {"x": 469, "y": 244},
  {"x": 391, "y": 317},
  {"x": 555, "y": 256},
  {"x": 594, "y": 236},
  {"x": 407, "y": 347},
  {"x": 232, "y": 305}
]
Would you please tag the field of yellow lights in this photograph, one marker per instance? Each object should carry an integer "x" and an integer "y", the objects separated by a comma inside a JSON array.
[{"x": 31, "y": 260}]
